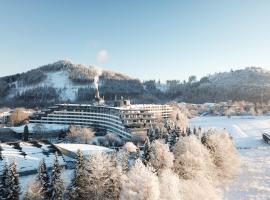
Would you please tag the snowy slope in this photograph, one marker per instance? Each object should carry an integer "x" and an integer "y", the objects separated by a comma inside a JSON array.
[
  {"x": 32, "y": 157},
  {"x": 64, "y": 76},
  {"x": 253, "y": 181},
  {"x": 59, "y": 80}
]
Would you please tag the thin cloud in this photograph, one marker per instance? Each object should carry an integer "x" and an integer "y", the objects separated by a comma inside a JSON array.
[{"x": 102, "y": 56}]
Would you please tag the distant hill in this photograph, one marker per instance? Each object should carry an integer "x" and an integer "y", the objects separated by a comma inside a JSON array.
[
  {"x": 250, "y": 84},
  {"x": 64, "y": 81}
]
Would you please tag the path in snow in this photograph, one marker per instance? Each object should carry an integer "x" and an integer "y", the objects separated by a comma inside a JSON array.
[{"x": 253, "y": 181}]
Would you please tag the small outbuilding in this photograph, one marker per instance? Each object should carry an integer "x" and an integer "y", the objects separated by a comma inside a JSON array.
[{"x": 71, "y": 150}]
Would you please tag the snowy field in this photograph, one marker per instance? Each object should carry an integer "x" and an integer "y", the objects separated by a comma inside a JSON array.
[
  {"x": 253, "y": 181},
  {"x": 45, "y": 127},
  {"x": 29, "y": 157}
]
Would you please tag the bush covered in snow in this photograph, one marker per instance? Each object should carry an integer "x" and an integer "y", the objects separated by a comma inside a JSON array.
[
  {"x": 169, "y": 184},
  {"x": 160, "y": 155},
  {"x": 223, "y": 153},
  {"x": 141, "y": 183},
  {"x": 130, "y": 147},
  {"x": 192, "y": 159},
  {"x": 199, "y": 188}
]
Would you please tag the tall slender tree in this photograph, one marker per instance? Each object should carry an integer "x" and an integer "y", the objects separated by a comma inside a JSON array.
[
  {"x": 4, "y": 186},
  {"x": 57, "y": 185},
  {"x": 44, "y": 179},
  {"x": 146, "y": 151},
  {"x": 25, "y": 133},
  {"x": 79, "y": 182},
  {"x": 12, "y": 182}
]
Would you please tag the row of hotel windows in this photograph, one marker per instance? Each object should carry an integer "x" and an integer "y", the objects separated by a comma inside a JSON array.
[
  {"x": 121, "y": 131},
  {"x": 92, "y": 121}
]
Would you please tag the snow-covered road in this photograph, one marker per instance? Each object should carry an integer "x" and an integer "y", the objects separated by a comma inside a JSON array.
[{"x": 253, "y": 181}]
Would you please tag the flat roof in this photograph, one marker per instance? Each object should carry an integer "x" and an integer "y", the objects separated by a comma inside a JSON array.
[{"x": 86, "y": 149}]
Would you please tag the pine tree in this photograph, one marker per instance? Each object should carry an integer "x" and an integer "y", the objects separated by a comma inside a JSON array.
[
  {"x": 4, "y": 186},
  {"x": 173, "y": 138},
  {"x": 13, "y": 183},
  {"x": 146, "y": 151},
  {"x": 188, "y": 131},
  {"x": 125, "y": 161},
  {"x": 1, "y": 156},
  {"x": 57, "y": 184},
  {"x": 151, "y": 134},
  {"x": 78, "y": 184},
  {"x": 25, "y": 133},
  {"x": 44, "y": 180},
  {"x": 177, "y": 117},
  {"x": 194, "y": 131}
]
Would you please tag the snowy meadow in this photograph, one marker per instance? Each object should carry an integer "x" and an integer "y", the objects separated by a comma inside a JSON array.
[{"x": 253, "y": 181}]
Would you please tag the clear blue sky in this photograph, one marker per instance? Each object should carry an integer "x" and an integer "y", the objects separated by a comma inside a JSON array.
[{"x": 148, "y": 39}]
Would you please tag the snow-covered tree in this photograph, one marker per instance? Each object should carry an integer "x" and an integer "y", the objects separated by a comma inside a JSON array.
[
  {"x": 146, "y": 151},
  {"x": 86, "y": 134},
  {"x": 4, "y": 187},
  {"x": 130, "y": 147},
  {"x": 223, "y": 152},
  {"x": 57, "y": 185},
  {"x": 160, "y": 155},
  {"x": 34, "y": 192},
  {"x": 199, "y": 188},
  {"x": 141, "y": 183},
  {"x": 192, "y": 159},
  {"x": 44, "y": 179},
  {"x": 103, "y": 178},
  {"x": 12, "y": 183},
  {"x": 151, "y": 134},
  {"x": 123, "y": 160},
  {"x": 172, "y": 139},
  {"x": 169, "y": 185},
  {"x": 113, "y": 139},
  {"x": 179, "y": 118},
  {"x": 77, "y": 189},
  {"x": 81, "y": 135}
]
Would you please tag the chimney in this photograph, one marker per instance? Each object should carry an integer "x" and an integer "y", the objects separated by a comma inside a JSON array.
[{"x": 97, "y": 94}]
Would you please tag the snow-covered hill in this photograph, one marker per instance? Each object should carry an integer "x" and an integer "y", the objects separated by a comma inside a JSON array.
[
  {"x": 250, "y": 76},
  {"x": 63, "y": 81},
  {"x": 250, "y": 84}
]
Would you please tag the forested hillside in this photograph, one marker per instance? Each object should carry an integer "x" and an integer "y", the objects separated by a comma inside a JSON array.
[{"x": 64, "y": 81}]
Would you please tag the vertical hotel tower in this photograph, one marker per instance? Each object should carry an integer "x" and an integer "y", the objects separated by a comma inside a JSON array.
[{"x": 122, "y": 119}]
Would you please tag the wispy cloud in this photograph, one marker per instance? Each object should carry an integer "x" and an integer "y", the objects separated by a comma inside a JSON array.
[{"x": 102, "y": 56}]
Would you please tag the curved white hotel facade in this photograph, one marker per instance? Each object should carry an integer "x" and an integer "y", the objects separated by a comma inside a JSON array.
[{"x": 123, "y": 120}]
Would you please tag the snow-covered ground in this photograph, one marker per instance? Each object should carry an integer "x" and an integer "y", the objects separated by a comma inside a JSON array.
[
  {"x": 45, "y": 127},
  {"x": 29, "y": 157},
  {"x": 253, "y": 181}
]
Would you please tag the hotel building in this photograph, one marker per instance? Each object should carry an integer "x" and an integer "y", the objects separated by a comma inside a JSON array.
[{"x": 123, "y": 119}]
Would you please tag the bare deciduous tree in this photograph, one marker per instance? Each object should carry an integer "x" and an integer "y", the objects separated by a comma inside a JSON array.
[
  {"x": 81, "y": 135},
  {"x": 18, "y": 116}
]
